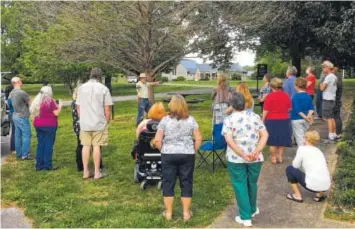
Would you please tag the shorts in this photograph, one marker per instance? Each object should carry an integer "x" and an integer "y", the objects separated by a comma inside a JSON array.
[
  {"x": 328, "y": 109},
  {"x": 94, "y": 138}
]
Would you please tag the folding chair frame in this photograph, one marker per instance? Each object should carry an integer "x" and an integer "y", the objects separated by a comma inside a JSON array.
[{"x": 216, "y": 156}]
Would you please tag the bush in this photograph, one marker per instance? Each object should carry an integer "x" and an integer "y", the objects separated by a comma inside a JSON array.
[
  {"x": 236, "y": 76},
  {"x": 180, "y": 78},
  {"x": 164, "y": 79},
  {"x": 343, "y": 196}
]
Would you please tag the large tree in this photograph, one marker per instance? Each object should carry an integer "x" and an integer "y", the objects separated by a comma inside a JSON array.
[
  {"x": 141, "y": 37},
  {"x": 298, "y": 29}
]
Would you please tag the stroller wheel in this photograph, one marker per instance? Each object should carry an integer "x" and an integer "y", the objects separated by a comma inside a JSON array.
[
  {"x": 144, "y": 185},
  {"x": 160, "y": 185}
]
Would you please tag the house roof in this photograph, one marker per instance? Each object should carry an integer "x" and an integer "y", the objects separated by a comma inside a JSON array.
[{"x": 192, "y": 66}]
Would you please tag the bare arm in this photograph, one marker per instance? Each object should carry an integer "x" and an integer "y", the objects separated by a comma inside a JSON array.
[
  {"x": 264, "y": 115},
  {"x": 107, "y": 112},
  {"x": 309, "y": 83},
  {"x": 78, "y": 110},
  {"x": 322, "y": 86},
  {"x": 229, "y": 110},
  {"x": 140, "y": 127},
  {"x": 56, "y": 112},
  {"x": 198, "y": 138},
  {"x": 158, "y": 140}
]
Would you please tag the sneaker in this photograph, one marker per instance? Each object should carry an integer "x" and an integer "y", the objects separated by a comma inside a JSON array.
[
  {"x": 329, "y": 141},
  {"x": 27, "y": 158},
  {"x": 338, "y": 137},
  {"x": 246, "y": 223},
  {"x": 257, "y": 212}
]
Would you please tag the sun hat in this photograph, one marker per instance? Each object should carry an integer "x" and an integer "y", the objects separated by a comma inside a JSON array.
[{"x": 142, "y": 75}]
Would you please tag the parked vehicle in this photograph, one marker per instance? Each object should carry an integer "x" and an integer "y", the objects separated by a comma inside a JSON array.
[
  {"x": 5, "y": 123},
  {"x": 132, "y": 79}
]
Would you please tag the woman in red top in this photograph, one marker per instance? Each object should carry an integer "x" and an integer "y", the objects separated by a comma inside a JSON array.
[
  {"x": 277, "y": 120},
  {"x": 45, "y": 112},
  {"x": 311, "y": 81}
]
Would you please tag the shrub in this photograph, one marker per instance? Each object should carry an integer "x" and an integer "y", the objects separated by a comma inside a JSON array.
[
  {"x": 236, "y": 76},
  {"x": 343, "y": 196},
  {"x": 180, "y": 78},
  {"x": 164, "y": 79}
]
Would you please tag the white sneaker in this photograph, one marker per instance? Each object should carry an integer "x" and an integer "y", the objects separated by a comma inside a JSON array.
[
  {"x": 246, "y": 223},
  {"x": 257, "y": 212}
]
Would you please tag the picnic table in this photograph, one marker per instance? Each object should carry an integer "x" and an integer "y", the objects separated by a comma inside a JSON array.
[{"x": 185, "y": 94}]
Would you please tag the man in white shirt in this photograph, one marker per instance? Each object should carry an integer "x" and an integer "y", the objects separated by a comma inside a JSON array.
[
  {"x": 142, "y": 96},
  {"x": 329, "y": 88},
  {"x": 93, "y": 105}
]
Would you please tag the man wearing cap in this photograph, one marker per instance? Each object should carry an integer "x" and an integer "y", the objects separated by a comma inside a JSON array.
[
  {"x": 329, "y": 88},
  {"x": 142, "y": 96},
  {"x": 20, "y": 102}
]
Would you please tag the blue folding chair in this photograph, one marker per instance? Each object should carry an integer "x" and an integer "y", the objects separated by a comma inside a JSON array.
[{"x": 214, "y": 147}]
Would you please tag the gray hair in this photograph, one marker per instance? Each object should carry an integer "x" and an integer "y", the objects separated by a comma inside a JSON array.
[
  {"x": 96, "y": 73},
  {"x": 291, "y": 70},
  {"x": 43, "y": 97},
  {"x": 237, "y": 101}
]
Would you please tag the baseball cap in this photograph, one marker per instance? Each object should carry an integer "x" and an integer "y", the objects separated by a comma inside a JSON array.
[
  {"x": 15, "y": 79},
  {"x": 142, "y": 75},
  {"x": 328, "y": 64}
]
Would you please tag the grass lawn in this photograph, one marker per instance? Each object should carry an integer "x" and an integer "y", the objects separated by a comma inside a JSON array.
[
  {"x": 232, "y": 83},
  {"x": 62, "y": 92},
  {"x": 62, "y": 199}
]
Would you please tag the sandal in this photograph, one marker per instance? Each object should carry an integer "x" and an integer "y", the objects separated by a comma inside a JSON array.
[
  {"x": 279, "y": 160},
  {"x": 319, "y": 198},
  {"x": 165, "y": 215},
  {"x": 187, "y": 218},
  {"x": 273, "y": 161},
  {"x": 293, "y": 198}
]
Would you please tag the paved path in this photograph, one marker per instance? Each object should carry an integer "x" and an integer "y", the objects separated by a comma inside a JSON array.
[
  {"x": 202, "y": 90},
  {"x": 278, "y": 212},
  {"x": 11, "y": 217}
]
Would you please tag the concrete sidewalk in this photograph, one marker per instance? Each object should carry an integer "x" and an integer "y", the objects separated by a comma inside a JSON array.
[{"x": 275, "y": 210}]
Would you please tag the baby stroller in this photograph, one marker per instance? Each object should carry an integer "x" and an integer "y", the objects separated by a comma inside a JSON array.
[{"x": 148, "y": 159}]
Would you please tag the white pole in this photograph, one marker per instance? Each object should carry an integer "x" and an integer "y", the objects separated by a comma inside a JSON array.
[{"x": 343, "y": 73}]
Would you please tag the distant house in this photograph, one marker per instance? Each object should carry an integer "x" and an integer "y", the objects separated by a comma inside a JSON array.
[{"x": 191, "y": 70}]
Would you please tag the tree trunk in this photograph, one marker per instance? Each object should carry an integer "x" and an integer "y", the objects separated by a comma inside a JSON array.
[
  {"x": 150, "y": 78},
  {"x": 296, "y": 61},
  {"x": 296, "y": 56}
]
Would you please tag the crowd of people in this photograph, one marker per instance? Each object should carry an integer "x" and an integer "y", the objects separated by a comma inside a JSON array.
[{"x": 287, "y": 113}]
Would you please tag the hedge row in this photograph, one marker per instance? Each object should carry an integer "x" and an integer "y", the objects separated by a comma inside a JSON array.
[{"x": 343, "y": 196}]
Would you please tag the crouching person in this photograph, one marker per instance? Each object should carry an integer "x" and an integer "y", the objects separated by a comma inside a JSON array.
[{"x": 315, "y": 177}]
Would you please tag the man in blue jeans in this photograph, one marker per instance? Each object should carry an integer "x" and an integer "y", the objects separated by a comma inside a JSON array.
[
  {"x": 20, "y": 102},
  {"x": 142, "y": 96}
]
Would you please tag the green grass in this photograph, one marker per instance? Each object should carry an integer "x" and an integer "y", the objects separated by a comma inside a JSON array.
[
  {"x": 62, "y": 199},
  {"x": 118, "y": 89},
  {"x": 232, "y": 83}
]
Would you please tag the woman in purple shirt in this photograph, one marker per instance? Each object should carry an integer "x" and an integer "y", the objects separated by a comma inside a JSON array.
[{"x": 45, "y": 112}]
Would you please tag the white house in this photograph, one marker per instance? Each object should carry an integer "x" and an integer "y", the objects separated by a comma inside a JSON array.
[{"x": 191, "y": 70}]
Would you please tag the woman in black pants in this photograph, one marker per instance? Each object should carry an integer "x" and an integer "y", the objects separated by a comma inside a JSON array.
[{"x": 174, "y": 138}]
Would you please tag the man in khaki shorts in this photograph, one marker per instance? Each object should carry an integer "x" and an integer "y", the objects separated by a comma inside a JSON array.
[{"x": 93, "y": 105}]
